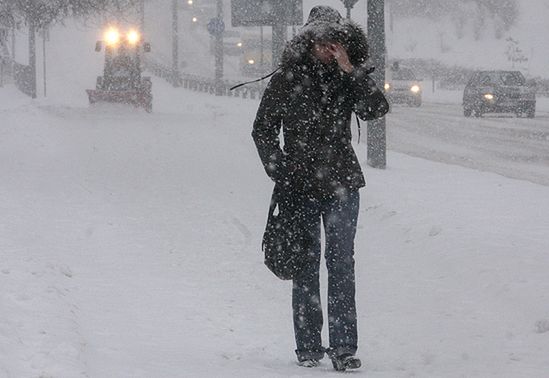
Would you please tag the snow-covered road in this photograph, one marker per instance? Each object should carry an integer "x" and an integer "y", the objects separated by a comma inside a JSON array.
[
  {"x": 510, "y": 146},
  {"x": 129, "y": 247}
]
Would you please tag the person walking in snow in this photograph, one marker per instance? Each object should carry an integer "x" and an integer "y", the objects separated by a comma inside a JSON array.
[{"x": 321, "y": 81}]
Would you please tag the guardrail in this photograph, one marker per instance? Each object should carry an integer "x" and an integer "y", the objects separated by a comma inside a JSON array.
[
  {"x": 204, "y": 84},
  {"x": 208, "y": 85}
]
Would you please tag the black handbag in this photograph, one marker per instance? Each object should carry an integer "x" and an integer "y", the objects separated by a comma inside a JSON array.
[{"x": 284, "y": 242}]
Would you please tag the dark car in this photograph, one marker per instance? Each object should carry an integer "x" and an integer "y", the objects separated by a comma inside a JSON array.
[{"x": 499, "y": 92}]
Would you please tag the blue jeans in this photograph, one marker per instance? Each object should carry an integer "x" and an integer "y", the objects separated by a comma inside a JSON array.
[{"x": 339, "y": 216}]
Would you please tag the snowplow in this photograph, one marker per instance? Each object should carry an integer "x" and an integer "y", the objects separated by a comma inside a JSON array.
[{"x": 122, "y": 80}]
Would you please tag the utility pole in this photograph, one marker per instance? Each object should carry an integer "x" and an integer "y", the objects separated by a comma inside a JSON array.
[
  {"x": 13, "y": 43},
  {"x": 349, "y": 4},
  {"x": 44, "y": 36},
  {"x": 377, "y": 140},
  {"x": 216, "y": 28},
  {"x": 279, "y": 38},
  {"x": 32, "y": 59},
  {"x": 280, "y": 33},
  {"x": 219, "y": 50},
  {"x": 175, "y": 44},
  {"x": 262, "y": 50}
]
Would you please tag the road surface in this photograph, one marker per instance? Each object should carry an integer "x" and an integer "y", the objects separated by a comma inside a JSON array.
[{"x": 510, "y": 146}]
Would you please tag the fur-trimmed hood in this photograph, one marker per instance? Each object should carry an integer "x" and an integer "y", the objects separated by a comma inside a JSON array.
[{"x": 326, "y": 24}]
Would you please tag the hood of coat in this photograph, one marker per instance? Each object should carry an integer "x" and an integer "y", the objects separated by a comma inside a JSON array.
[{"x": 325, "y": 24}]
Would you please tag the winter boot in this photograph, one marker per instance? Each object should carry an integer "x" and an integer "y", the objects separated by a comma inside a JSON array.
[
  {"x": 310, "y": 363},
  {"x": 345, "y": 361}
]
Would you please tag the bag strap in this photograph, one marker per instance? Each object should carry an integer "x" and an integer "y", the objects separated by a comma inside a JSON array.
[
  {"x": 358, "y": 125},
  {"x": 254, "y": 81}
]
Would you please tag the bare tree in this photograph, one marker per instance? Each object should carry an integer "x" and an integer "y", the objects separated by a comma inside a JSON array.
[{"x": 41, "y": 13}]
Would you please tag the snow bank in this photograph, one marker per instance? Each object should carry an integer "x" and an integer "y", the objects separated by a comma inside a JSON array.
[{"x": 130, "y": 248}]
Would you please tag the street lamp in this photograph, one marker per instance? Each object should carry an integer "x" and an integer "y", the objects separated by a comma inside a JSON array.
[
  {"x": 349, "y": 4},
  {"x": 377, "y": 148}
]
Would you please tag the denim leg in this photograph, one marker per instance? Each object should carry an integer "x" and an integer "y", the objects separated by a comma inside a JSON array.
[
  {"x": 307, "y": 309},
  {"x": 340, "y": 220}
]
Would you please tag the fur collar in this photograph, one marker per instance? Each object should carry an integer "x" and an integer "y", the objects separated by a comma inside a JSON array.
[{"x": 346, "y": 32}]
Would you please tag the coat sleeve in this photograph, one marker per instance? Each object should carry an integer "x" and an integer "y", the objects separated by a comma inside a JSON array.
[
  {"x": 266, "y": 128},
  {"x": 369, "y": 101}
]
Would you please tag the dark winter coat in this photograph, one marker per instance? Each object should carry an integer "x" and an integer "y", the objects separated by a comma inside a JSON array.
[{"x": 313, "y": 103}]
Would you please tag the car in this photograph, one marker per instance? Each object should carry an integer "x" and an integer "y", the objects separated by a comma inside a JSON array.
[
  {"x": 499, "y": 92},
  {"x": 256, "y": 58},
  {"x": 402, "y": 86}
]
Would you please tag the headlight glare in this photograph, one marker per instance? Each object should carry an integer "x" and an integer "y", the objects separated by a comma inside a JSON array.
[
  {"x": 415, "y": 88},
  {"x": 112, "y": 36},
  {"x": 489, "y": 96},
  {"x": 133, "y": 37}
]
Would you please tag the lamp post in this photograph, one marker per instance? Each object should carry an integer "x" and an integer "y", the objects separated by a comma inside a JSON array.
[
  {"x": 175, "y": 44},
  {"x": 45, "y": 35},
  {"x": 219, "y": 50},
  {"x": 32, "y": 59},
  {"x": 377, "y": 144},
  {"x": 349, "y": 4},
  {"x": 280, "y": 32}
]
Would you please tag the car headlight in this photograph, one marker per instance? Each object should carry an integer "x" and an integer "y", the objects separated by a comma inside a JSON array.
[
  {"x": 251, "y": 61},
  {"x": 415, "y": 88},
  {"x": 387, "y": 86},
  {"x": 112, "y": 36},
  {"x": 133, "y": 37},
  {"x": 489, "y": 96},
  {"x": 239, "y": 44}
]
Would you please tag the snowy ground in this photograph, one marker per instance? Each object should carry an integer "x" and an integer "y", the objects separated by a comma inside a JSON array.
[{"x": 129, "y": 247}]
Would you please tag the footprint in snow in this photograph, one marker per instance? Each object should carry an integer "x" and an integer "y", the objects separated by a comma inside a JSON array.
[
  {"x": 542, "y": 326},
  {"x": 388, "y": 215},
  {"x": 435, "y": 230}
]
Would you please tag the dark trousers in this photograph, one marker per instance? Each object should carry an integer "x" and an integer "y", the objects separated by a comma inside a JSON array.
[{"x": 339, "y": 216}]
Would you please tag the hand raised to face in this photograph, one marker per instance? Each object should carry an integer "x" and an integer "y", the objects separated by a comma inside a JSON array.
[
  {"x": 340, "y": 55},
  {"x": 326, "y": 52}
]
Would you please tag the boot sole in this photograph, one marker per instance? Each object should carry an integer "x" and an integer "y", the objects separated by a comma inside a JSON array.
[{"x": 349, "y": 365}]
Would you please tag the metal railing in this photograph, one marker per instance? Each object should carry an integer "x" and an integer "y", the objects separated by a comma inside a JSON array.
[{"x": 204, "y": 84}]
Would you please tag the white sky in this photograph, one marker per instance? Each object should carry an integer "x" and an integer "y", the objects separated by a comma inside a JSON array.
[{"x": 531, "y": 30}]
